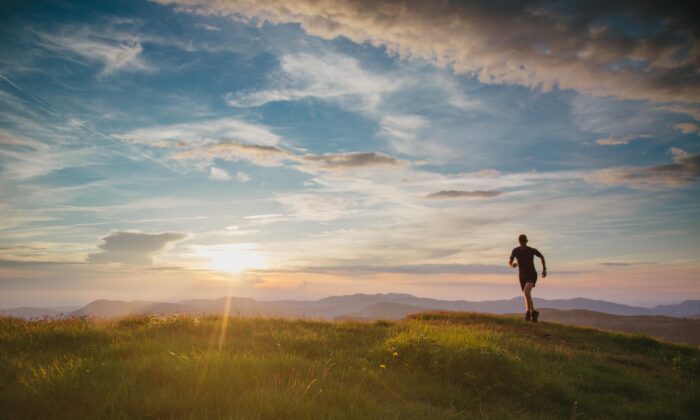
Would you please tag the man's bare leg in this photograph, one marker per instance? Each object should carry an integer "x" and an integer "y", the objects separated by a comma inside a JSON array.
[
  {"x": 527, "y": 291},
  {"x": 528, "y": 297}
]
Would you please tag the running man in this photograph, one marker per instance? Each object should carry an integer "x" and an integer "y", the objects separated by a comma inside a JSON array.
[{"x": 528, "y": 275}]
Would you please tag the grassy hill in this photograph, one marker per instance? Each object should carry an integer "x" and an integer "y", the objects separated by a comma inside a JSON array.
[
  {"x": 433, "y": 365},
  {"x": 680, "y": 330}
]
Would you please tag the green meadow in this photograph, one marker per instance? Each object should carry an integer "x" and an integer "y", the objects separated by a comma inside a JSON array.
[{"x": 432, "y": 365}]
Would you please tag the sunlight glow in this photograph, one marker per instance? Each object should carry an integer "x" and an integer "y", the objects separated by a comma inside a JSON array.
[{"x": 231, "y": 258}]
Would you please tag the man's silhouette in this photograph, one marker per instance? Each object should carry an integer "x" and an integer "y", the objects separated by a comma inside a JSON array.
[{"x": 528, "y": 275}]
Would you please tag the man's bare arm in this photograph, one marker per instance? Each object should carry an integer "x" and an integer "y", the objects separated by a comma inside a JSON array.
[{"x": 544, "y": 266}]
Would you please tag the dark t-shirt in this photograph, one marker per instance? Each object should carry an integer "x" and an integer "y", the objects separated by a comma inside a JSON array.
[{"x": 526, "y": 260}]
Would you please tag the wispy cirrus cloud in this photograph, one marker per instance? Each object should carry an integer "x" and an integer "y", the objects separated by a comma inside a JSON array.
[
  {"x": 237, "y": 140},
  {"x": 450, "y": 194},
  {"x": 34, "y": 143},
  {"x": 620, "y": 140},
  {"x": 43, "y": 251},
  {"x": 406, "y": 133},
  {"x": 327, "y": 76},
  {"x": 114, "y": 53},
  {"x": 625, "y": 264},
  {"x": 692, "y": 111},
  {"x": 277, "y": 156},
  {"x": 24, "y": 157},
  {"x": 208, "y": 27},
  {"x": 385, "y": 96},
  {"x": 402, "y": 127},
  {"x": 260, "y": 155},
  {"x": 10, "y": 139},
  {"x": 202, "y": 132},
  {"x": 546, "y": 44},
  {"x": 684, "y": 170},
  {"x": 425, "y": 269}
]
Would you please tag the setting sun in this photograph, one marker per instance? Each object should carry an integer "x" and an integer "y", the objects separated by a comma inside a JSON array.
[{"x": 230, "y": 258}]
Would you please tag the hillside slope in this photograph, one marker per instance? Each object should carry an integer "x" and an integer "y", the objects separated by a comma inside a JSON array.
[
  {"x": 433, "y": 365},
  {"x": 680, "y": 330}
]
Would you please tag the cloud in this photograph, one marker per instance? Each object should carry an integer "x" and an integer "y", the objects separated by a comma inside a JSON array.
[
  {"x": 261, "y": 217},
  {"x": 242, "y": 177},
  {"x": 402, "y": 127},
  {"x": 319, "y": 206},
  {"x": 115, "y": 53},
  {"x": 625, "y": 264},
  {"x": 271, "y": 156},
  {"x": 133, "y": 247},
  {"x": 331, "y": 77},
  {"x": 256, "y": 154},
  {"x": 448, "y": 194},
  {"x": 204, "y": 132},
  {"x": 218, "y": 174},
  {"x": 409, "y": 134},
  {"x": 380, "y": 95},
  {"x": 32, "y": 263},
  {"x": 581, "y": 46},
  {"x": 236, "y": 140},
  {"x": 340, "y": 161},
  {"x": 682, "y": 109},
  {"x": 427, "y": 269},
  {"x": 43, "y": 251},
  {"x": 9, "y": 139},
  {"x": 687, "y": 128},
  {"x": 208, "y": 27},
  {"x": 620, "y": 140},
  {"x": 418, "y": 269},
  {"x": 34, "y": 158},
  {"x": 684, "y": 170}
]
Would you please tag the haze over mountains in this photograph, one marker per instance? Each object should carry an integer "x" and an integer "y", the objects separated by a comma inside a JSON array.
[{"x": 377, "y": 306}]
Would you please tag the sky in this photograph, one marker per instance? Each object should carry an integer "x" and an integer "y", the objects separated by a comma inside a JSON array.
[{"x": 178, "y": 149}]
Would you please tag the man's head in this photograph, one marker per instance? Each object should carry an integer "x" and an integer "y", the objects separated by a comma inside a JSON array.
[{"x": 522, "y": 239}]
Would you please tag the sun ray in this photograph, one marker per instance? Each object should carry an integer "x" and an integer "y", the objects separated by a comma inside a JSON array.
[{"x": 225, "y": 316}]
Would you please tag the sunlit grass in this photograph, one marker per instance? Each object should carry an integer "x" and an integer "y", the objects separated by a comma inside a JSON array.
[{"x": 432, "y": 366}]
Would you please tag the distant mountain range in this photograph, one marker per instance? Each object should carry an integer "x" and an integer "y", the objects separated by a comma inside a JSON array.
[
  {"x": 30, "y": 312},
  {"x": 679, "y": 322},
  {"x": 357, "y": 306}
]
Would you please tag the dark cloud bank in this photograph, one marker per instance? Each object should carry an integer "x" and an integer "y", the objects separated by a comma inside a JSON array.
[{"x": 646, "y": 50}]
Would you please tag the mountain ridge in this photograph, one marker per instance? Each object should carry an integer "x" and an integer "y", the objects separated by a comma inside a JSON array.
[{"x": 353, "y": 305}]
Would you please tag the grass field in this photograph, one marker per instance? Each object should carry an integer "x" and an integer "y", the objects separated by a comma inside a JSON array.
[{"x": 435, "y": 365}]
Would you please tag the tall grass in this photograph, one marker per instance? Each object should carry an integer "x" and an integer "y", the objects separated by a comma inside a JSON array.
[{"x": 434, "y": 365}]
